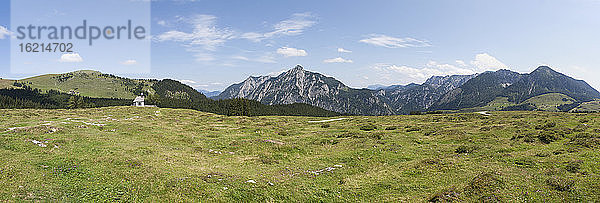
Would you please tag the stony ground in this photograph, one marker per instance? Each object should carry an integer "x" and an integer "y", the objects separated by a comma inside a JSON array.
[{"x": 152, "y": 154}]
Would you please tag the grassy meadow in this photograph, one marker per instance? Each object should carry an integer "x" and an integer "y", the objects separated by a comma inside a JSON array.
[{"x": 156, "y": 154}]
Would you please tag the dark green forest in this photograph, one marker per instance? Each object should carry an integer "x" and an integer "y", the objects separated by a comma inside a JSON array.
[{"x": 52, "y": 99}]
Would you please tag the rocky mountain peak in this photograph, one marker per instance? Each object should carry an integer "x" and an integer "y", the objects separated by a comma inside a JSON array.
[
  {"x": 298, "y": 68},
  {"x": 544, "y": 70},
  {"x": 297, "y": 85},
  {"x": 449, "y": 81}
]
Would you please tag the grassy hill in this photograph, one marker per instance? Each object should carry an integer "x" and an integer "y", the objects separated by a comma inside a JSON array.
[
  {"x": 90, "y": 84},
  {"x": 153, "y": 154},
  {"x": 592, "y": 106},
  {"x": 549, "y": 102},
  {"x": 545, "y": 102}
]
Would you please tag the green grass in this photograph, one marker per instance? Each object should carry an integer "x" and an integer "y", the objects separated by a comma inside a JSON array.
[
  {"x": 545, "y": 102},
  {"x": 592, "y": 106},
  {"x": 497, "y": 104},
  {"x": 4, "y": 83},
  {"x": 550, "y": 101},
  {"x": 167, "y": 155}
]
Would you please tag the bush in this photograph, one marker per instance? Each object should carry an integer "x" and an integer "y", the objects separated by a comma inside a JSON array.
[
  {"x": 283, "y": 133},
  {"x": 573, "y": 166},
  {"x": 368, "y": 127},
  {"x": 412, "y": 129},
  {"x": 325, "y": 126},
  {"x": 390, "y": 128},
  {"x": 586, "y": 140},
  {"x": 524, "y": 162},
  {"x": 448, "y": 195},
  {"x": 547, "y": 137},
  {"x": 560, "y": 184},
  {"x": 265, "y": 159},
  {"x": 463, "y": 149},
  {"x": 484, "y": 183},
  {"x": 377, "y": 136},
  {"x": 546, "y": 126},
  {"x": 529, "y": 137}
]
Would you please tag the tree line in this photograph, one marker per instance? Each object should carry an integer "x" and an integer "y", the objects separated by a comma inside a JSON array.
[
  {"x": 27, "y": 97},
  {"x": 166, "y": 89}
]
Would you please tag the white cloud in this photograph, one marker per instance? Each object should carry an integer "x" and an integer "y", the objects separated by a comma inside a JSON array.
[
  {"x": 203, "y": 56},
  {"x": 448, "y": 69},
  {"x": 162, "y": 22},
  {"x": 129, "y": 62},
  {"x": 188, "y": 82},
  {"x": 394, "y": 74},
  {"x": 243, "y": 58},
  {"x": 485, "y": 62},
  {"x": 4, "y": 32},
  {"x": 342, "y": 50},
  {"x": 253, "y": 36},
  {"x": 337, "y": 60},
  {"x": 295, "y": 25},
  {"x": 276, "y": 73},
  {"x": 288, "y": 51},
  {"x": 266, "y": 58},
  {"x": 410, "y": 74},
  {"x": 70, "y": 58},
  {"x": 204, "y": 38},
  {"x": 393, "y": 42}
]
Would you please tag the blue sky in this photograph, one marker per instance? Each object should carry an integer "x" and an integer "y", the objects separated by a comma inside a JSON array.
[{"x": 212, "y": 44}]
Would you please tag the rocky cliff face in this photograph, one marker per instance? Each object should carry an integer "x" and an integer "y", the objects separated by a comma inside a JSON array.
[
  {"x": 478, "y": 91},
  {"x": 437, "y": 93},
  {"x": 420, "y": 97},
  {"x": 300, "y": 86},
  {"x": 544, "y": 80},
  {"x": 244, "y": 89}
]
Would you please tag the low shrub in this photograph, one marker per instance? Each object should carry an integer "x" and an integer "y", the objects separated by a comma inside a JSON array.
[
  {"x": 529, "y": 137},
  {"x": 377, "y": 136},
  {"x": 390, "y": 128},
  {"x": 412, "y": 129},
  {"x": 368, "y": 127},
  {"x": 524, "y": 162},
  {"x": 265, "y": 159},
  {"x": 484, "y": 183},
  {"x": 546, "y": 126},
  {"x": 573, "y": 166},
  {"x": 325, "y": 126},
  {"x": 448, "y": 195},
  {"x": 560, "y": 183},
  {"x": 587, "y": 140},
  {"x": 547, "y": 137},
  {"x": 463, "y": 149}
]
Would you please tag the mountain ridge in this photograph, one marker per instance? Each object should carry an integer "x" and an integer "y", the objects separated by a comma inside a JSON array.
[
  {"x": 503, "y": 88},
  {"x": 452, "y": 92}
]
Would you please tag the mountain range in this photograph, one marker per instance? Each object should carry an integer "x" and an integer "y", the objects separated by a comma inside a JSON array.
[
  {"x": 492, "y": 90},
  {"x": 542, "y": 89}
]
